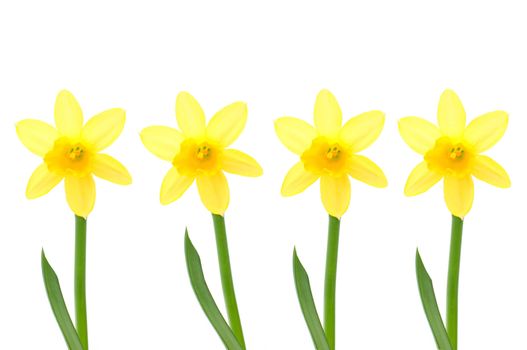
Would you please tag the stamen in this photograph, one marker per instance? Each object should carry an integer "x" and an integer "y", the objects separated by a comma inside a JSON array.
[
  {"x": 203, "y": 152},
  {"x": 333, "y": 152},
  {"x": 456, "y": 152},
  {"x": 76, "y": 152}
]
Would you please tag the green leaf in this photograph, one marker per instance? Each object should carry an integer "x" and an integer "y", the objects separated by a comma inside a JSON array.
[
  {"x": 197, "y": 280},
  {"x": 428, "y": 298},
  {"x": 305, "y": 297},
  {"x": 58, "y": 305}
]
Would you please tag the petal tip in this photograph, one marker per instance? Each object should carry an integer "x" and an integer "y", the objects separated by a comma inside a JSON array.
[
  {"x": 284, "y": 191},
  {"x": 324, "y": 91},
  {"x": 407, "y": 192},
  {"x": 18, "y": 126},
  {"x": 182, "y": 94},
  {"x": 279, "y": 121},
  {"x": 142, "y": 135},
  {"x": 121, "y": 113},
  {"x": 29, "y": 195},
  {"x": 64, "y": 92},
  {"x": 505, "y": 117},
  {"x": 449, "y": 91},
  {"x": 507, "y": 182},
  {"x": 401, "y": 123},
  {"x": 243, "y": 105},
  {"x": 127, "y": 181},
  {"x": 164, "y": 200},
  {"x": 278, "y": 124},
  {"x": 382, "y": 116}
]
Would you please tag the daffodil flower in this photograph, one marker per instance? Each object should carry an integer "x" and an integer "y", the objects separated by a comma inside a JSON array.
[
  {"x": 452, "y": 151},
  {"x": 329, "y": 152},
  {"x": 71, "y": 151},
  {"x": 201, "y": 152}
]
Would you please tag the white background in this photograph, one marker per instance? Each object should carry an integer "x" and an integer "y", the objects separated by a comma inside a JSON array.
[{"x": 396, "y": 56}]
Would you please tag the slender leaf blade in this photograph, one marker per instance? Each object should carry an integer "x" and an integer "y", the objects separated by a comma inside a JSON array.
[
  {"x": 307, "y": 304},
  {"x": 428, "y": 298},
  {"x": 58, "y": 305},
  {"x": 202, "y": 292}
]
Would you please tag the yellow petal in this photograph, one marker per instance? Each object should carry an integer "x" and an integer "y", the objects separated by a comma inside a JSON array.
[
  {"x": 190, "y": 116},
  {"x": 459, "y": 195},
  {"x": 237, "y": 162},
  {"x": 109, "y": 168},
  {"x": 297, "y": 180},
  {"x": 363, "y": 169},
  {"x": 162, "y": 141},
  {"x": 420, "y": 180},
  {"x": 173, "y": 186},
  {"x": 361, "y": 131},
  {"x": 295, "y": 134},
  {"x": 214, "y": 192},
  {"x": 484, "y": 131},
  {"x": 328, "y": 116},
  {"x": 227, "y": 124},
  {"x": 41, "y": 182},
  {"x": 451, "y": 115},
  {"x": 68, "y": 115},
  {"x": 104, "y": 128},
  {"x": 491, "y": 172},
  {"x": 36, "y": 135},
  {"x": 418, "y": 133},
  {"x": 335, "y": 193},
  {"x": 80, "y": 194}
]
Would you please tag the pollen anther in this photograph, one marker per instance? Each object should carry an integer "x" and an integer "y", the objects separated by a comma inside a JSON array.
[
  {"x": 76, "y": 152},
  {"x": 333, "y": 152},
  {"x": 203, "y": 152},
  {"x": 456, "y": 152}
]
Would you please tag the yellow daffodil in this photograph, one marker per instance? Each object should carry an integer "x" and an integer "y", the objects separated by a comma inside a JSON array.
[
  {"x": 452, "y": 151},
  {"x": 200, "y": 152},
  {"x": 71, "y": 152},
  {"x": 329, "y": 151}
]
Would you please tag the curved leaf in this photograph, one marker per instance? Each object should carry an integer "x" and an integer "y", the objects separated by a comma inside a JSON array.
[
  {"x": 428, "y": 298},
  {"x": 307, "y": 304},
  {"x": 58, "y": 305},
  {"x": 197, "y": 280}
]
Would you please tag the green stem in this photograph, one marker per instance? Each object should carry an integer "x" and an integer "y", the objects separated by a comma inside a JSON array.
[
  {"x": 80, "y": 281},
  {"x": 453, "y": 280},
  {"x": 331, "y": 280},
  {"x": 226, "y": 278}
]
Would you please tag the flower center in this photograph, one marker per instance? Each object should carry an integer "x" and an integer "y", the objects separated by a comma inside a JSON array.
[
  {"x": 450, "y": 158},
  {"x": 203, "y": 152},
  {"x": 326, "y": 157},
  {"x": 333, "y": 152},
  {"x": 76, "y": 152},
  {"x": 457, "y": 152},
  {"x": 197, "y": 158},
  {"x": 67, "y": 157}
]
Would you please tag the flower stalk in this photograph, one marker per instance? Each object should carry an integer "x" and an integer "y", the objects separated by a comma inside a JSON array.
[
  {"x": 453, "y": 280},
  {"x": 331, "y": 280},
  {"x": 80, "y": 281},
  {"x": 226, "y": 277}
]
